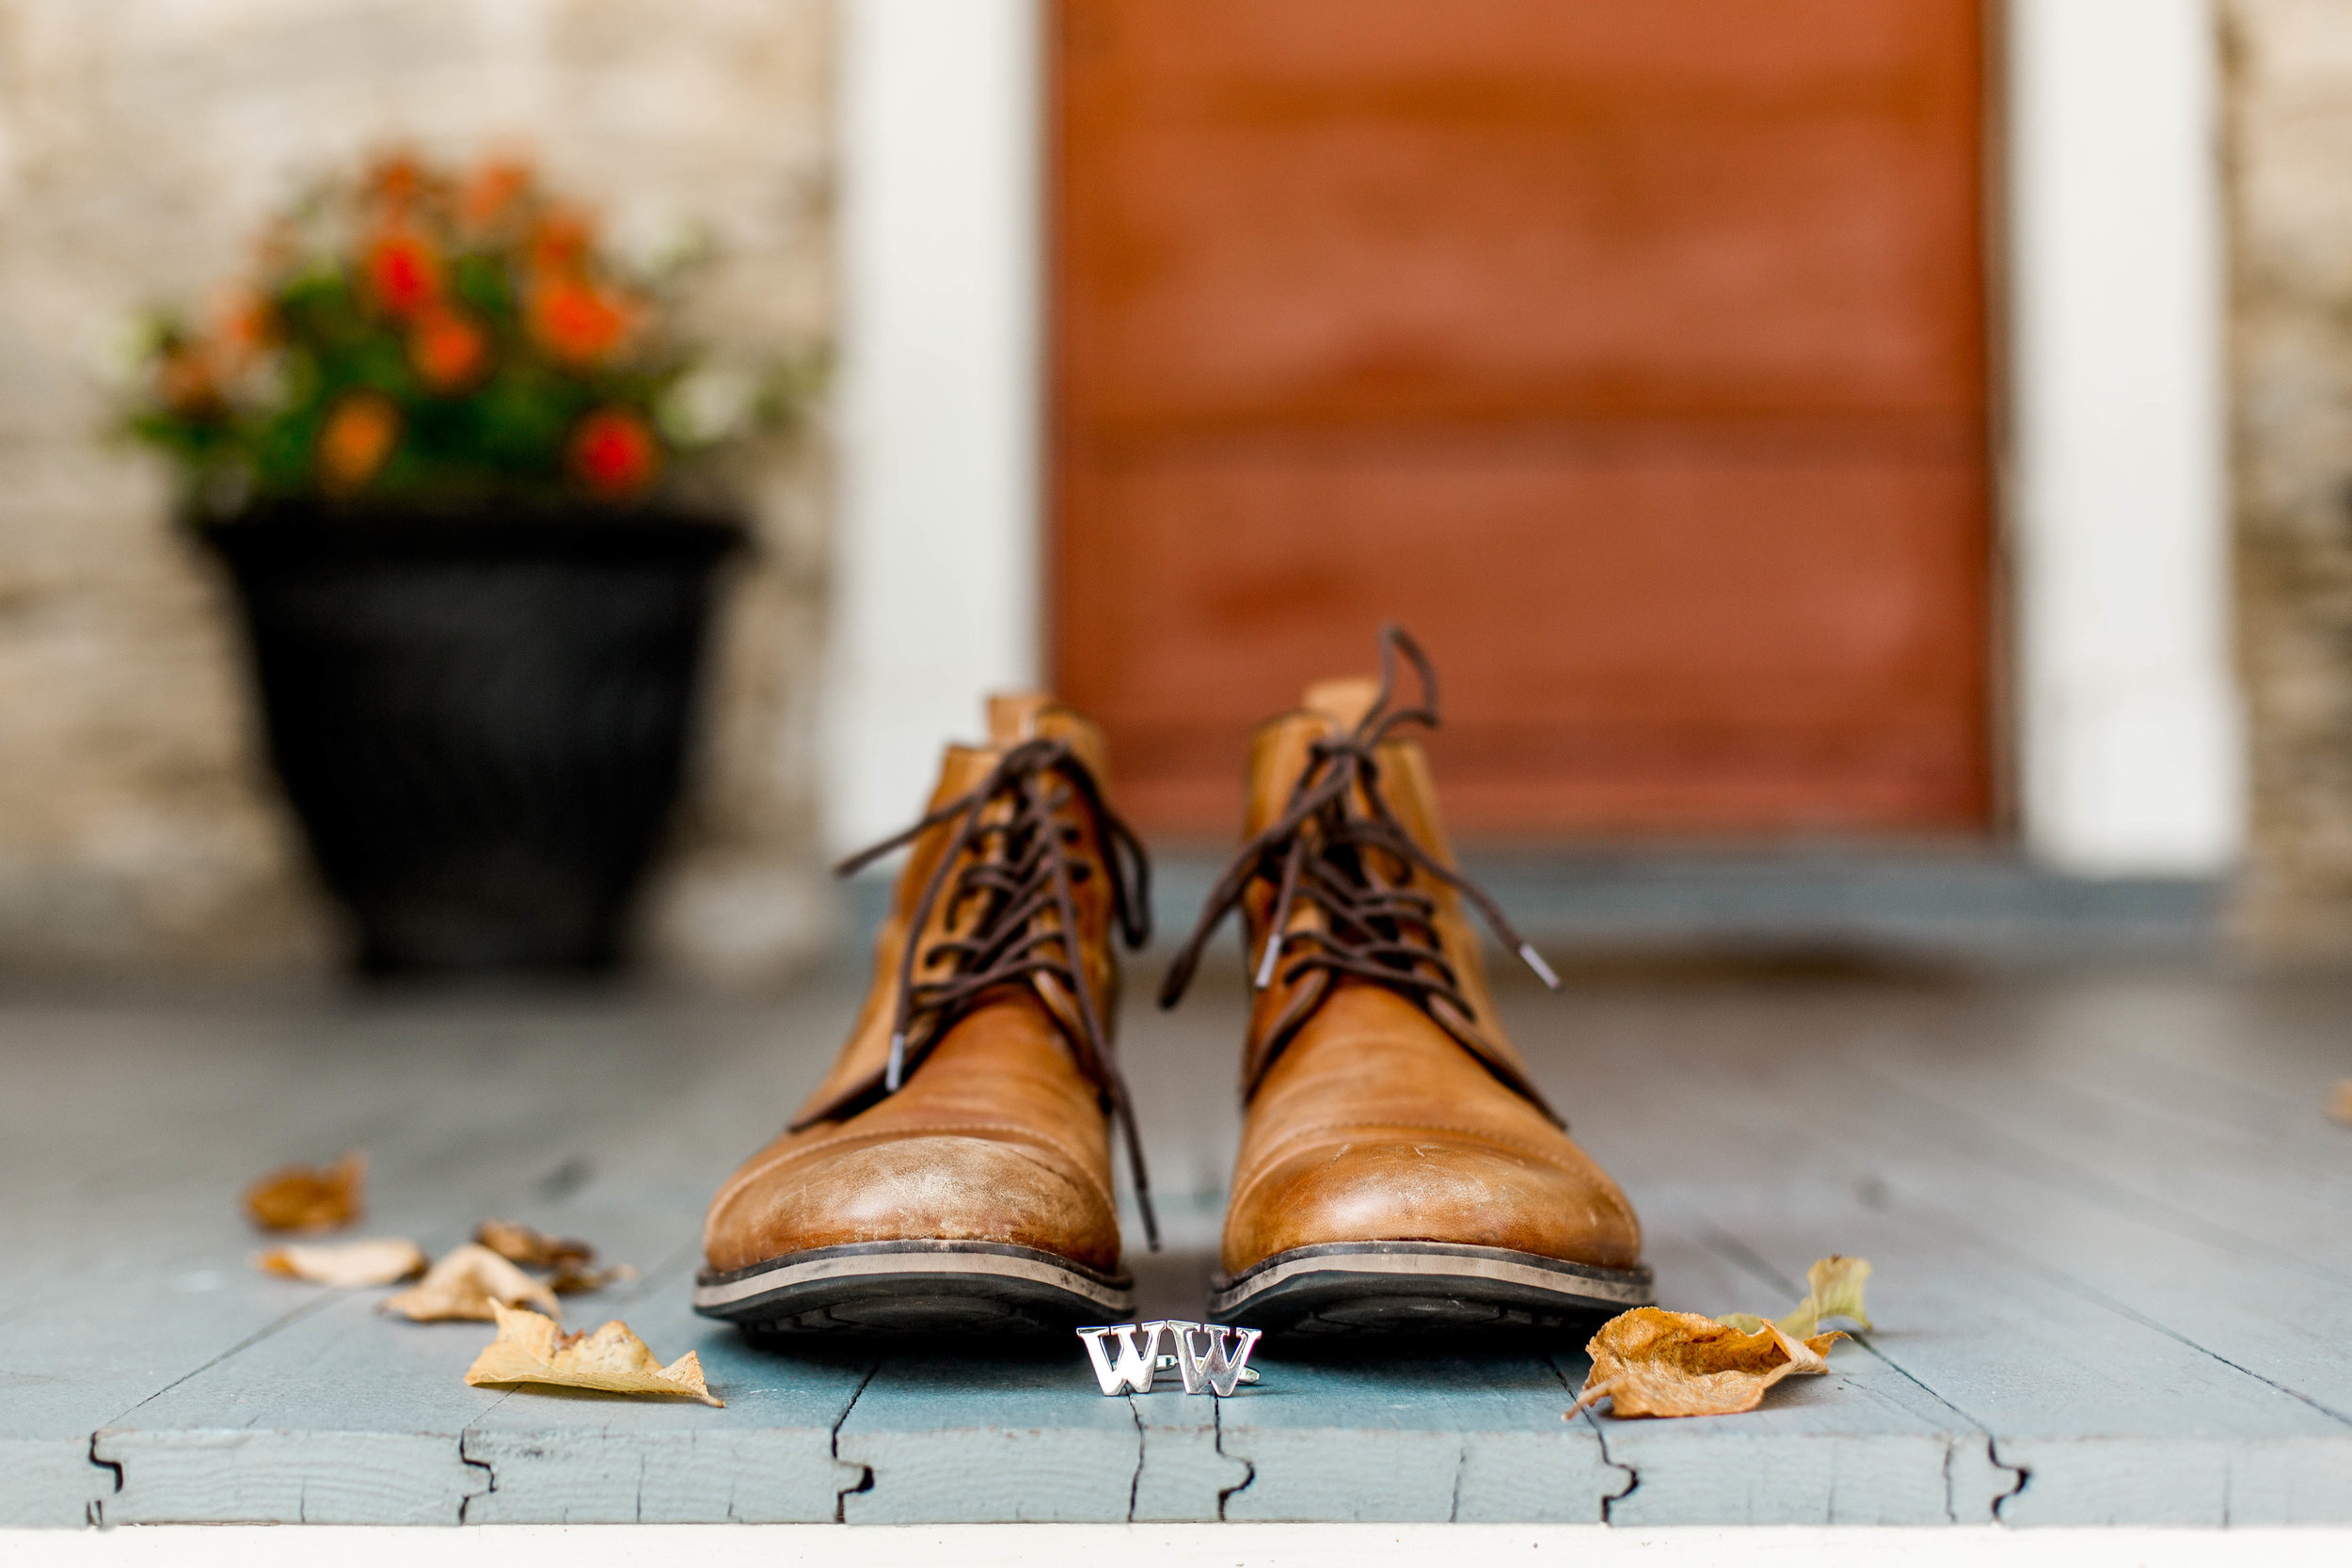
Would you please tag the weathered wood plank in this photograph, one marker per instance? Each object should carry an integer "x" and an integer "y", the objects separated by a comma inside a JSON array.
[
  {"x": 343, "y": 1416},
  {"x": 768, "y": 1455},
  {"x": 2055, "y": 1295},
  {"x": 1362, "y": 1433},
  {"x": 1185, "y": 1474},
  {"x": 2111, "y": 1419},
  {"x": 964, "y": 1435},
  {"x": 43, "y": 1481},
  {"x": 766, "y": 1458},
  {"x": 2224, "y": 1292},
  {"x": 2098, "y": 1145},
  {"x": 125, "y": 1138},
  {"x": 330, "y": 1411},
  {"x": 115, "y": 1339},
  {"x": 1862, "y": 1445},
  {"x": 1795, "y": 1129}
]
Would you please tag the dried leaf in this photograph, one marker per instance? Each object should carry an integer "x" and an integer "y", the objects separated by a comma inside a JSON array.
[
  {"x": 1648, "y": 1362},
  {"x": 1833, "y": 1290},
  {"x": 572, "y": 1262},
  {"x": 346, "y": 1265},
  {"x": 311, "y": 1197},
  {"x": 472, "y": 1282},
  {"x": 2339, "y": 1101},
  {"x": 571, "y": 1279},
  {"x": 532, "y": 1249},
  {"x": 531, "y": 1349}
]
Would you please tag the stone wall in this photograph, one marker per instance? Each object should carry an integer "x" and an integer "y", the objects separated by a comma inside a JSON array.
[
  {"x": 139, "y": 142},
  {"x": 2288, "y": 103}
]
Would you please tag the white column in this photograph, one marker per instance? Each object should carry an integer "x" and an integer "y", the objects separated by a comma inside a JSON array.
[
  {"x": 935, "y": 584},
  {"x": 2130, "y": 743}
]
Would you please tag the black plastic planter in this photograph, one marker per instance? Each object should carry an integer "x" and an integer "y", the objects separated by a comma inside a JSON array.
[{"x": 481, "y": 718}]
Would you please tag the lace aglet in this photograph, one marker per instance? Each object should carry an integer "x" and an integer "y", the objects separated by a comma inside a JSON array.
[
  {"x": 896, "y": 1072},
  {"x": 1534, "y": 960},
  {"x": 1264, "y": 976}
]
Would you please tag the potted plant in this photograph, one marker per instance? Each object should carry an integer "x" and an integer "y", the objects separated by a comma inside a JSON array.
[{"x": 469, "y": 483}]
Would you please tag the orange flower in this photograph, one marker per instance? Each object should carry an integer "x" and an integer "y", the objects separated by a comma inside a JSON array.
[
  {"x": 577, "y": 322},
  {"x": 395, "y": 179},
  {"x": 448, "y": 349},
  {"x": 249, "y": 326},
  {"x": 360, "y": 431},
  {"x": 187, "y": 379},
  {"x": 491, "y": 193},
  {"x": 560, "y": 240},
  {"x": 403, "y": 274},
  {"x": 614, "y": 453}
]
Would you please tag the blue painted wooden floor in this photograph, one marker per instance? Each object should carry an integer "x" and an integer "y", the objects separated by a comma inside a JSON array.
[{"x": 2111, "y": 1223}]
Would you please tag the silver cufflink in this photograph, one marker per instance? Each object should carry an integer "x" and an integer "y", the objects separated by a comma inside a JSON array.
[{"x": 1200, "y": 1357}]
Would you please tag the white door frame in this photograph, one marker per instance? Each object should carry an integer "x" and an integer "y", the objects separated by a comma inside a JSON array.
[
  {"x": 2129, "y": 749},
  {"x": 937, "y": 566}
]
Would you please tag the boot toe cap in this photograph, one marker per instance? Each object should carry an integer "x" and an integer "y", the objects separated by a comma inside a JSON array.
[
  {"x": 947, "y": 1187},
  {"x": 1456, "y": 1191}
]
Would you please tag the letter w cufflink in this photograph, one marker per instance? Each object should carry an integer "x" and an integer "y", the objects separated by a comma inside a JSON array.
[{"x": 1201, "y": 1358}]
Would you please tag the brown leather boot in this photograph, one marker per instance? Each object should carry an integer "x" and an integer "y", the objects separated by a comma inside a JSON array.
[
  {"x": 953, "y": 1170},
  {"x": 1397, "y": 1168}
]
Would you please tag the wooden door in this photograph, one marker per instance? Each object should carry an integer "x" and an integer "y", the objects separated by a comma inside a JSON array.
[{"x": 1630, "y": 352}]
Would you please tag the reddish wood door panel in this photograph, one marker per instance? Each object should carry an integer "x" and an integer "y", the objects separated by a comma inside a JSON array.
[{"x": 1629, "y": 351}]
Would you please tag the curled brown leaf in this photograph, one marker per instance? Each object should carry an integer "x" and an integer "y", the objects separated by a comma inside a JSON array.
[
  {"x": 346, "y": 1265},
  {"x": 2339, "y": 1101},
  {"x": 472, "y": 1282},
  {"x": 531, "y": 1349},
  {"x": 570, "y": 1264},
  {"x": 570, "y": 1280},
  {"x": 1649, "y": 1362},
  {"x": 532, "y": 1249},
  {"x": 311, "y": 1197}
]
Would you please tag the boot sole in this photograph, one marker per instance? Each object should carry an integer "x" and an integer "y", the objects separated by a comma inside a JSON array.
[
  {"x": 913, "y": 1287},
  {"x": 1411, "y": 1287}
]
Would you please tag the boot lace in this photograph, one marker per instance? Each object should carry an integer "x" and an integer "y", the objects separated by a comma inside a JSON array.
[
  {"x": 1338, "y": 847},
  {"x": 1012, "y": 917}
]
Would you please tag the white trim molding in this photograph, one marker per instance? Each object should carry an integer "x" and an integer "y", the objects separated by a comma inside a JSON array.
[
  {"x": 2129, "y": 745},
  {"x": 936, "y": 575}
]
